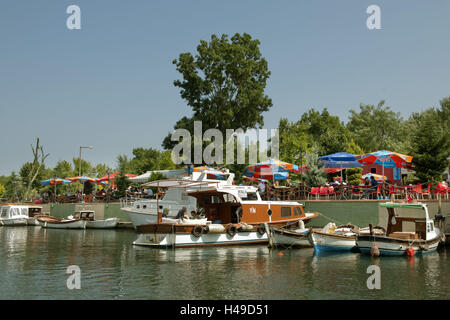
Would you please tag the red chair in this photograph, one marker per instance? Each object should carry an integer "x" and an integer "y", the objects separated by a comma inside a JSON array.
[
  {"x": 314, "y": 192},
  {"x": 441, "y": 189},
  {"x": 416, "y": 191},
  {"x": 393, "y": 190},
  {"x": 323, "y": 191},
  {"x": 427, "y": 193},
  {"x": 377, "y": 193},
  {"x": 331, "y": 192},
  {"x": 356, "y": 191}
]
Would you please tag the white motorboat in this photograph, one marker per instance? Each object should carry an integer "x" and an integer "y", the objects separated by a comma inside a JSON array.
[
  {"x": 92, "y": 223},
  {"x": 230, "y": 215},
  {"x": 13, "y": 215},
  {"x": 56, "y": 223},
  {"x": 409, "y": 231},
  {"x": 144, "y": 211},
  {"x": 334, "y": 238}
]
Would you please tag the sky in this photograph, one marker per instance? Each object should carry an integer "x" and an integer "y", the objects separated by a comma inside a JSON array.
[{"x": 110, "y": 84}]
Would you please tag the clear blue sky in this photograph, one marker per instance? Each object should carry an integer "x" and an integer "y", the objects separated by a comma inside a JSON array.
[{"x": 110, "y": 84}]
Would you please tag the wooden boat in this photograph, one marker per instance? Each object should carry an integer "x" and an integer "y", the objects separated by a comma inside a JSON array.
[
  {"x": 334, "y": 238},
  {"x": 292, "y": 235},
  {"x": 34, "y": 211},
  {"x": 13, "y": 215},
  {"x": 92, "y": 223},
  {"x": 409, "y": 231},
  {"x": 229, "y": 215},
  {"x": 56, "y": 223}
]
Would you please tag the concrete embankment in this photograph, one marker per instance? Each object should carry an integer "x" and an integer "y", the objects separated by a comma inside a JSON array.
[{"x": 358, "y": 212}]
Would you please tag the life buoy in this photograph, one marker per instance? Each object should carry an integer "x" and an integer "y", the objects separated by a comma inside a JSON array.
[
  {"x": 261, "y": 229},
  {"x": 231, "y": 230},
  {"x": 197, "y": 230}
]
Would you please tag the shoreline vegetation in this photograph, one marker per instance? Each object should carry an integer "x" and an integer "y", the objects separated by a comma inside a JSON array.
[{"x": 224, "y": 85}]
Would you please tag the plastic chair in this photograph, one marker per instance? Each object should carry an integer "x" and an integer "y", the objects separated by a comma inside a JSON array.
[
  {"x": 377, "y": 193},
  {"x": 441, "y": 189},
  {"x": 314, "y": 192},
  {"x": 427, "y": 193},
  {"x": 356, "y": 191},
  {"x": 393, "y": 190},
  {"x": 323, "y": 191},
  {"x": 331, "y": 192}
]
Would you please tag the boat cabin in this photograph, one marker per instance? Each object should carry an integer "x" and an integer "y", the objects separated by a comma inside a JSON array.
[
  {"x": 13, "y": 211},
  {"x": 34, "y": 211},
  {"x": 85, "y": 215},
  {"x": 411, "y": 222}
]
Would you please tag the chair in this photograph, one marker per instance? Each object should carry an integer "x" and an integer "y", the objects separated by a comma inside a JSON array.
[
  {"x": 416, "y": 191},
  {"x": 323, "y": 191},
  {"x": 427, "y": 193},
  {"x": 441, "y": 189},
  {"x": 331, "y": 192},
  {"x": 314, "y": 192},
  {"x": 393, "y": 190},
  {"x": 356, "y": 191},
  {"x": 377, "y": 193}
]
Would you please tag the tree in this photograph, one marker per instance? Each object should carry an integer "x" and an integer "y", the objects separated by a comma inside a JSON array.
[
  {"x": 224, "y": 85},
  {"x": 315, "y": 175},
  {"x": 430, "y": 144},
  {"x": 2, "y": 190},
  {"x": 354, "y": 176},
  {"x": 35, "y": 167},
  {"x": 377, "y": 128},
  {"x": 294, "y": 140}
]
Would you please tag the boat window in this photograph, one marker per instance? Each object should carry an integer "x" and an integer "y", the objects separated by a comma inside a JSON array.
[
  {"x": 138, "y": 206},
  {"x": 250, "y": 196},
  {"x": 297, "y": 211},
  {"x": 24, "y": 211},
  {"x": 216, "y": 199},
  {"x": 285, "y": 211},
  {"x": 184, "y": 196},
  {"x": 3, "y": 212},
  {"x": 144, "y": 206}
]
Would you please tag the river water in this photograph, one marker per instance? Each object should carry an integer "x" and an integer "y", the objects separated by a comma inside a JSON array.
[{"x": 34, "y": 262}]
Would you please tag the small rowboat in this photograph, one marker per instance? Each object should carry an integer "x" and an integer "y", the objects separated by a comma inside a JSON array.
[
  {"x": 92, "y": 223},
  {"x": 56, "y": 223},
  {"x": 292, "y": 235}
]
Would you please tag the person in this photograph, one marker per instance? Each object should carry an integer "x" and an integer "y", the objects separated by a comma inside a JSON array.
[
  {"x": 261, "y": 187},
  {"x": 165, "y": 213},
  {"x": 373, "y": 187},
  {"x": 182, "y": 214}
]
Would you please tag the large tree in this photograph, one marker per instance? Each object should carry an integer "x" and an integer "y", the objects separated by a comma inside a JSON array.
[
  {"x": 430, "y": 144},
  {"x": 377, "y": 128},
  {"x": 224, "y": 85}
]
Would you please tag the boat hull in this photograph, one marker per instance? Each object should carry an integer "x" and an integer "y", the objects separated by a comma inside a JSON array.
[
  {"x": 78, "y": 224},
  {"x": 290, "y": 238},
  {"x": 395, "y": 247},
  {"x": 32, "y": 222},
  {"x": 164, "y": 240},
  {"x": 102, "y": 224},
  {"x": 15, "y": 222},
  {"x": 332, "y": 242}
]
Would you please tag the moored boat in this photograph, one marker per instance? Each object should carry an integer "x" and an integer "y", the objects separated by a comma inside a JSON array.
[
  {"x": 334, "y": 238},
  {"x": 292, "y": 235},
  {"x": 34, "y": 211},
  {"x": 227, "y": 215},
  {"x": 409, "y": 231},
  {"x": 13, "y": 215},
  {"x": 56, "y": 223},
  {"x": 92, "y": 223}
]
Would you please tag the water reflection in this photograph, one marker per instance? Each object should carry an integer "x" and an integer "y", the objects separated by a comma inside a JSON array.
[{"x": 34, "y": 262}]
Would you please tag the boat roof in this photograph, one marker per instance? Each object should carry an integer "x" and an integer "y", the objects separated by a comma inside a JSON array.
[
  {"x": 417, "y": 205},
  {"x": 176, "y": 183}
]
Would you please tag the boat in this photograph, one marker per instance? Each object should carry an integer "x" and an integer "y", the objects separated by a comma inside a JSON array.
[
  {"x": 291, "y": 235},
  {"x": 144, "y": 211},
  {"x": 409, "y": 231},
  {"x": 13, "y": 215},
  {"x": 34, "y": 211},
  {"x": 55, "y": 223},
  {"x": 226, "y": 215},
  {"x": 334, "y": 238},
  {"x": 92, "y": 223}
]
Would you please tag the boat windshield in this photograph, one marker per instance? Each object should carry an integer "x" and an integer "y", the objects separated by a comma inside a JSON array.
[{"x": 250, "y": 196}]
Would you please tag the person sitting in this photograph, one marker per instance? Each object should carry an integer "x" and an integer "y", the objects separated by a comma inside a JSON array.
[
  {"x": 373, "y": 187},
  {"x": 182, "y": 214},
  {"x": 165, "y": 213}
]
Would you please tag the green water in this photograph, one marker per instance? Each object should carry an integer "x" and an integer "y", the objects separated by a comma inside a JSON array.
[{"x": 33, "y": 264}]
